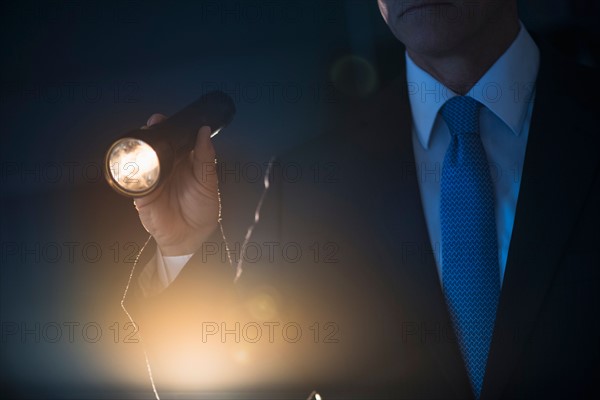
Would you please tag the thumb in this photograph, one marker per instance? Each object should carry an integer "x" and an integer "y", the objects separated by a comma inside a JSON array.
[{"x": 203, "y": 156}]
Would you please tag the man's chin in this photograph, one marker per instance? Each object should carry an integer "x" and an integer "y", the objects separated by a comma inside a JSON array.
[{"x": 429, "y": 39}]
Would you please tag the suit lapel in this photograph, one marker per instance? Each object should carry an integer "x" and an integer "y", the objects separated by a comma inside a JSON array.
[{"x": 558, "y": 171}]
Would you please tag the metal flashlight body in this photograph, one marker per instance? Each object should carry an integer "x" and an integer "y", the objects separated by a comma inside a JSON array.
[{"x": 138, "y": 162}]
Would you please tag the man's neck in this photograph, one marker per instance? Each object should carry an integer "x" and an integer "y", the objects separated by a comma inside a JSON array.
[{"x": 460, "y": 70}]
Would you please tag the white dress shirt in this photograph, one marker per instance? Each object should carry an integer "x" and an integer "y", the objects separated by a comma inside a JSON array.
[
  {"x": 507, "y": 91},
  {"x": 160, "y": 272}
]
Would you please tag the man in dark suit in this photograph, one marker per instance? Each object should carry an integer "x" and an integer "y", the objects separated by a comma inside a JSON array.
[{"x": 452, "y": 246}]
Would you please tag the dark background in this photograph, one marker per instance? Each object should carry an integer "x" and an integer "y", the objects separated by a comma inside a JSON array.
[{"x": 75, "y": 74}]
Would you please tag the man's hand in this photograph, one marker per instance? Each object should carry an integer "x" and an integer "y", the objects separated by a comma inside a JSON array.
[{"x": 183, "y": 212}]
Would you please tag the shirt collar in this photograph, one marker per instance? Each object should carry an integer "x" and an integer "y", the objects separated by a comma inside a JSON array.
[{"x": 505, "y": 89}]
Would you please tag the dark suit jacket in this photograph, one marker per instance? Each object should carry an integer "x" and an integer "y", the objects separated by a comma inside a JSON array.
[{"x": 358, "y": 205}]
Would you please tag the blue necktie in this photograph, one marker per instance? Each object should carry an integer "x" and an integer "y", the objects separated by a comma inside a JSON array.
[{"x": 470, "y": 269}]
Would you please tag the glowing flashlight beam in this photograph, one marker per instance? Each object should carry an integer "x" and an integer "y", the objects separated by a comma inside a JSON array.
[
  {"x": 239, "y": 269},
  {"x": 134, "y": 165}
]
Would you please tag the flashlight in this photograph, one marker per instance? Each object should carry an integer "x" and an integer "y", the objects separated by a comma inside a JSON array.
[{"x": 138, "y": 162}]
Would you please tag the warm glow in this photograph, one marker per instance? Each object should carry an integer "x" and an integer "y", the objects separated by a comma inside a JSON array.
[{"x": 134, "y": 165}]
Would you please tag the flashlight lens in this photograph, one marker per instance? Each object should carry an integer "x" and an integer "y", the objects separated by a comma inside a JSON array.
[{"x": 133, "y": 166}]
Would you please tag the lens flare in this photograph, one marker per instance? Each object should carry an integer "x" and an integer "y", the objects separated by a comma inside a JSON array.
[{"x": 133, "y": 166}]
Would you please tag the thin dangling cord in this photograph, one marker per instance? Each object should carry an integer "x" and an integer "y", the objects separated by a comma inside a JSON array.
[{"x": 135, "y": 326}]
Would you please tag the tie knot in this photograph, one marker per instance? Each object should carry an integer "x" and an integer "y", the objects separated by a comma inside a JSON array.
[{"x": 461, "y": 114}]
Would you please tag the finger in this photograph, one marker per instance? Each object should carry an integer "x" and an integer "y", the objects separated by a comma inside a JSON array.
[
  {"x": 204, "y": 150},
  {"x": 143, "y": 201},
  {"x": 155, "y": 119}
]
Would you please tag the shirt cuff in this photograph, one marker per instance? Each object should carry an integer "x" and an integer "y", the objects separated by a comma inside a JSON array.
[{"x": 160, "y": 272}]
